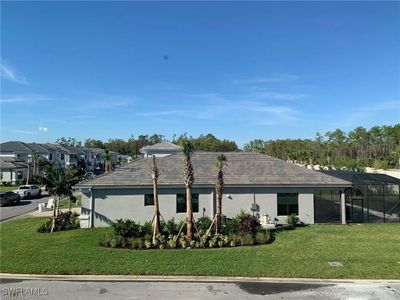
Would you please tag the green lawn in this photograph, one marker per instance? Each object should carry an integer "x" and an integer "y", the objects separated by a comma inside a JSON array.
[
  {"x": 366, "y": 251},
  {"x": 4, "y": 188},
  {"x": 64, "y": 203}
]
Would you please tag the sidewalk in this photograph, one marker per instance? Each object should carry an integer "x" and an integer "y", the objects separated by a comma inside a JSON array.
[
  {"x": 49, "y": 213},
  {"x": 170, "y": 278}
]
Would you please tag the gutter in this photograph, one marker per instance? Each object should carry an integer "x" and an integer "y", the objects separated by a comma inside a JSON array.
[{"x": 344, "y": 185}]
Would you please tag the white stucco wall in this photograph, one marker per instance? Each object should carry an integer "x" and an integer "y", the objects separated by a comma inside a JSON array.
[
  {"x": 267, "y": 200},
  {"x": 6, "y": 175},
  {"x": 113, "y": 204}
]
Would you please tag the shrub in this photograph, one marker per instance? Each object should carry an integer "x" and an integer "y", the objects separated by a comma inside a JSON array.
[
  {"x": 262, "y": 237},
  {"x": 146, "y": 229},
  {"x": 249, "y": 225},
  {"x": 171, "y": 227},
  {"x": 126, "y": 228},
  {"x": 135, "y": 243},
  {"x": 230, "y": 226},
  {"x": 235, "y": 239},
  {"x": 64, "y": 221},
  {"x": 247, "y": 240},
  {"x": 148, "y": 244},
  {"x": 116, "y": 242},
  {"x": 106, "y": 241},
  {"x": 292, "y": 220},
  {"x": 172, "y": 241},
  {"x": 204, "y": 223}
]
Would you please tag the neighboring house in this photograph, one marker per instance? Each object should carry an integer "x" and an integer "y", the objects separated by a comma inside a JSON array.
[
  {"x": 12, "y": 170},
  {"x": 72, "y": 156},
  {"x": 124, "y": 159},
  {"x": 57, "y": 154},
  {"x": 15, "y": 149},
  {"x": 89, "y": 157},
  {"x": 159, "y": 150},
  {"x": 40, "y": 152},
  {"x": 97, "y": 159},
  {"x": 254, "y": 182}
]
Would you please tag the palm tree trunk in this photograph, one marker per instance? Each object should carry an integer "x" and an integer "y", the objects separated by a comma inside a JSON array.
[
  {"x": 218, "y": 220},
  {"x": 28, "y": 173},
  {"x": 189, "y": 215},
  {"x": 53, "y": 224},
  {"x": 157, "y": 225}
]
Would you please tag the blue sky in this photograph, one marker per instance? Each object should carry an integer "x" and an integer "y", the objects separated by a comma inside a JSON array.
[{"x": 234, "y": 69}]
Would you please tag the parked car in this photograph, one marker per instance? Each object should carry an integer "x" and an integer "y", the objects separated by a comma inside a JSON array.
[
  {"x": 9, "y": 198},
  {"x": 28, "y": 191},
  {"x": 89, "y": 175}
]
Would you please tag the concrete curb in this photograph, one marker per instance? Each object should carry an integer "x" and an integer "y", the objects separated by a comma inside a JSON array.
[{"x": 187, "y": 278}]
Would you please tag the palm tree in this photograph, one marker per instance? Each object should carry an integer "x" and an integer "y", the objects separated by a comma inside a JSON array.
[
  {"x": 107, "y": 159},
  {"x": 59, "y": 183},
  {"x": 219, "y": 187},
  {"x": 156, "y": 219},
  {"x": 187, "y": 149}
]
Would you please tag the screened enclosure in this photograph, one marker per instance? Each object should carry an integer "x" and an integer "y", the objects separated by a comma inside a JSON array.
[
  {"x": 374, "y": 198},
  {"x": 327, "y": 206}
]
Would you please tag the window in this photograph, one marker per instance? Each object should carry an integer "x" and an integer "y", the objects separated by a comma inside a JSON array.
[
  {"x": 62, "y": 156},
  {"x": 148, "y": 199},
  {"x": 181, "y": 203},
  {"x": 19, "y": 175},
  {"x": 50, "y": 156},
  {"x": 288, "y": 203}
]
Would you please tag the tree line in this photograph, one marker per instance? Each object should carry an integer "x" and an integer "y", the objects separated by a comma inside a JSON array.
[
  {"x": 378, "y": 147},
  {"x": 133, "y": 145}
]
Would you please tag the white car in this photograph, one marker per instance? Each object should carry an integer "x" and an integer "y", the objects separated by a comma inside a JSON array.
[{"x": 28, "y": 191}]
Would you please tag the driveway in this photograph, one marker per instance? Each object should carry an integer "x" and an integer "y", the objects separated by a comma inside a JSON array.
[
  {"x": 25, "y": 206},
  {"x": 176, "y": 289}
]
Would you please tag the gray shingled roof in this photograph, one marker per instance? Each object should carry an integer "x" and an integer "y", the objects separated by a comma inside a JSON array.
[
  {"x": 362, "y": 178},
  {"x": 242, "y": 169},
  {"x": 37, "y": 148},
  {"x": 55, "y": 147},
  {"x": 12, "y": 163},
  {"x": 14, "y": 147},
  {"x": 161, "y": 146}
]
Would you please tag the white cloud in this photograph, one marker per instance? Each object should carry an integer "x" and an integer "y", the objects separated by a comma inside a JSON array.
[
  {"x": 109, "y": 102},
  {"x": 247, "y": 108},
  {"x": 21, "y": 131},
  {"x": 26, "y": 98},
  {"x": 382, "y": 110},
  {"x": 9, "y": 74},
  {"x": 162, "y": 113},
  {"x": 281, "y": 96},
  {"x": 273, "y": 78}
]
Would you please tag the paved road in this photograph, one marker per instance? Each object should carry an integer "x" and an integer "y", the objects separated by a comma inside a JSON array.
[
  {"x": 11, "y": 212},
  {"x": 56, "y": 289}
]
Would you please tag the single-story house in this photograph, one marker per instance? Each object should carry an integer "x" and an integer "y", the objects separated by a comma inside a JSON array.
[
  {"x": 159, "y": 150},
  {"x": 255, "y": 183}
]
